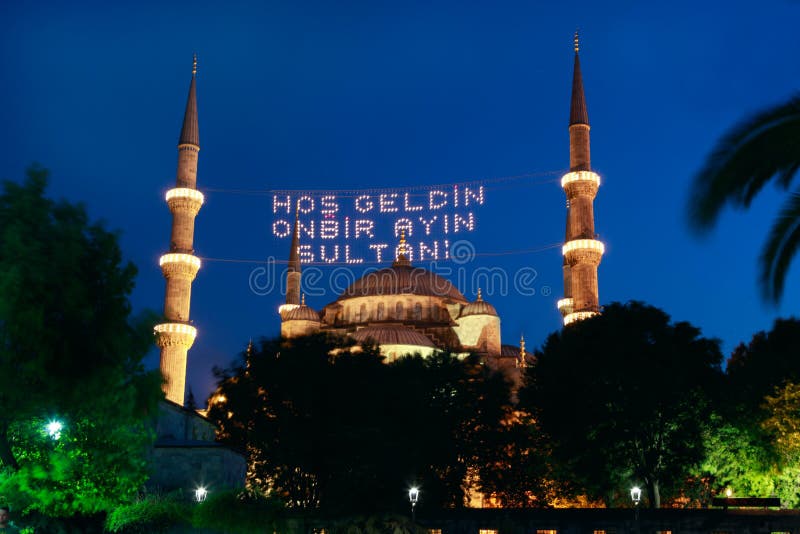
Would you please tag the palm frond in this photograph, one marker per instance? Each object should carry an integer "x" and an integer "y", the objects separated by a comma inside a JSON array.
[
  {"x": 779, "y": 249},
  {"x": 764, "y": 146}
]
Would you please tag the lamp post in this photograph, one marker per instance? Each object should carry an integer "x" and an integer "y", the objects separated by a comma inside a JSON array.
[
  {"x": 54, "y": 429},
  {"x": 636, "y": 497},
  {"x": 413, "y": 497},
  {"x": 200, "y": 494}
]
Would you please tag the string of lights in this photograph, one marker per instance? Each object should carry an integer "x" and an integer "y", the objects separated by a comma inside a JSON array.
[
  {"x": 513, "y": 252},
  {"x": 424, "y": 188}
]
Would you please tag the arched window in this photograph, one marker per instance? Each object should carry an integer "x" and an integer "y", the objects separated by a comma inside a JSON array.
[
  {"x": 398, "y": 311},
  {"x": 380, "y": 316},
  {"x": 417, "y": 311},
  {"x": 363, "y": 313},
  {"x": 435, "y": 313}
]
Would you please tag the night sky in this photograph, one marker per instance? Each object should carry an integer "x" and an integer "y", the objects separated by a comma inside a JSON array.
[{"x": 354, "y": 95}]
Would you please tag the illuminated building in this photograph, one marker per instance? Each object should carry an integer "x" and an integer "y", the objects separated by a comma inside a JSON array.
[
  {"x": 582, "y": 251},
  {"x": 176, "y": 335}
]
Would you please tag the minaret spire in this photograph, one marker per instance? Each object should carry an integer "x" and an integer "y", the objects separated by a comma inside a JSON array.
[
  {"x": 190, "y": 134},
  {"x": 293, "y": 271},
  {"x": 582, "y": 252},
  {"x": 176, "y": 334}
]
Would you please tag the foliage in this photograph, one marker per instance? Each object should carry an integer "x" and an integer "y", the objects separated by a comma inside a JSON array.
[
  {"x": 241, "y": 512},
  {"x": 151, "y": 514},
  {"x": 69, "y": 350},
  {"x": 766, "y": 362},
  {"x": 624, "y": 396},
  {"x": 520, "y": 475},
  {"x": 760, "y": 148},
  {"x": 783, "y": 421},
  {"x": 339, "y": 429}
]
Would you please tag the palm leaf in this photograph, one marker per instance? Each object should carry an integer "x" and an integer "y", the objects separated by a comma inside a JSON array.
[
  {"x": 764, "y": 146},
  {"x": 781, "y": 246}
]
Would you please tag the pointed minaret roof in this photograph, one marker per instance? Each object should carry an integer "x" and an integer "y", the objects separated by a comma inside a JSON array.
[
  {"x": 294, "y": 253},
  {"x": 190, "y": 133},
  {"x": 577, "y": 108}
]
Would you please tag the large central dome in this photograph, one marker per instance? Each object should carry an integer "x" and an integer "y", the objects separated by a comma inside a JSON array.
[{"x": 402, "y": 280}]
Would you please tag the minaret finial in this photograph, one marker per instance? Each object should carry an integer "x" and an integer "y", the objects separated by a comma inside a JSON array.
[
  {"x": 194, "y": 63},
  {"x": 401, "y": 252},
  {"x": 577, "y": 42},
  {"x": 480, "y": 297},
  {"x": 303, "y": 299}
]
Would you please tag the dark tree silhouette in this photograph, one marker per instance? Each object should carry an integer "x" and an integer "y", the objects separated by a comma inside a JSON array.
[
  {"x": 624, "y": 397},
  {"x": 329, "y": 428}
]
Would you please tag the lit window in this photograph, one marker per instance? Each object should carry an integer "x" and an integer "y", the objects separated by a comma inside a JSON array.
[
  {"x": 380, "y": 311},
  {"x": 417, "y": 311},
  {"x": 487, "y": 531},
  {"x": 548, "y": 532},
  {"x": 434, "y": 531},
  {"x": 398, "y": 311}
]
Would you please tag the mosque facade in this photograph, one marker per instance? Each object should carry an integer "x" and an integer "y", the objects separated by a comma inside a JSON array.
[{"x": 403, "y": 308}]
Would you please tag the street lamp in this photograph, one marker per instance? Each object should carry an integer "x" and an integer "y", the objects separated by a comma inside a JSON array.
[
  {"x": 200, "y": 494},
  {"x": 636, "y": 497},
  {"x": 54, "y": 429},
  {"x": 413, "y": 497}
]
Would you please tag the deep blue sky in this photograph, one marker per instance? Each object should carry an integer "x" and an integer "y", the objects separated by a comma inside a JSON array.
[{"x": 361, "y": 94}]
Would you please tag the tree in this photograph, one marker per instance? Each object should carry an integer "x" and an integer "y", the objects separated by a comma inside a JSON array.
[
  {"x": 334, "y": 428},
  {"x": 624, "y": 396},
  {"x": 760, "y": 148},
  {"x": 768, "y": 361},
  {"x": 70, "y": 350}
]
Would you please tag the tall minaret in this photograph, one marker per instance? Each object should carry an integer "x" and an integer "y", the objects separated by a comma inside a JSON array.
[
  {"x": 180, "y": 265},
  {"x": 582, "y": 252},
  {"x": 293, "y": 271}
]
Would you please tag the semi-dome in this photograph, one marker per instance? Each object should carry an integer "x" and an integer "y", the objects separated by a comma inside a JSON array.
[
  {"x": 301, "y": 313},
  {"x": 402, "y": 279},
  {"x": 392, "y": 335},
  {"x": 479, "y": 307}
]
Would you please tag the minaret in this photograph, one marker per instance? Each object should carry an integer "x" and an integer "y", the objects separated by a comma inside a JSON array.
[
  {"x": 582, "y": 252},
  {"x": 293, "y": 271},
  {"x": 176, "y": 335}
]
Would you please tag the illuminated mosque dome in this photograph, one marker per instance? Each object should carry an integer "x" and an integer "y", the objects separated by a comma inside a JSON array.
[
  {"x": 479, "y": 307},
  {"x": 402, "y": 279},
  {"x": 404, "y": 309},
  {"x": 395, "y": 340}
]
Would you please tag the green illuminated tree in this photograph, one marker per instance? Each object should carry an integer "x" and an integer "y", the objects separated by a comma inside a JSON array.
[
  {"x": 624, "y": 396},
  {"x": 761, "y": 148},
  {"x": 68, "y": 350}
]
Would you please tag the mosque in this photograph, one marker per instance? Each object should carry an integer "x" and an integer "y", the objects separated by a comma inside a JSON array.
[{"x": 403, "y": 308}]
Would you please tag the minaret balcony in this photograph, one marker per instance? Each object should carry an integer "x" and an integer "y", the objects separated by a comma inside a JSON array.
[
  {"x": 175, "y": 334},
  {"x": 583, "y": 251},
  {"x": 580, "y": 183},
  {"x": 179, "y": 265},
  {"x": 578, "y": 316},
  {"x": 565, "y": 306},
  {"x": 184, "y": 199}
]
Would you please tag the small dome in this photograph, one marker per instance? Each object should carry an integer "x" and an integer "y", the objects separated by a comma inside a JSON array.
[
  {"x": 302, "y": 313},
  {"x": 392, "y": 335},
  {"x": 479, "y": 307}
]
